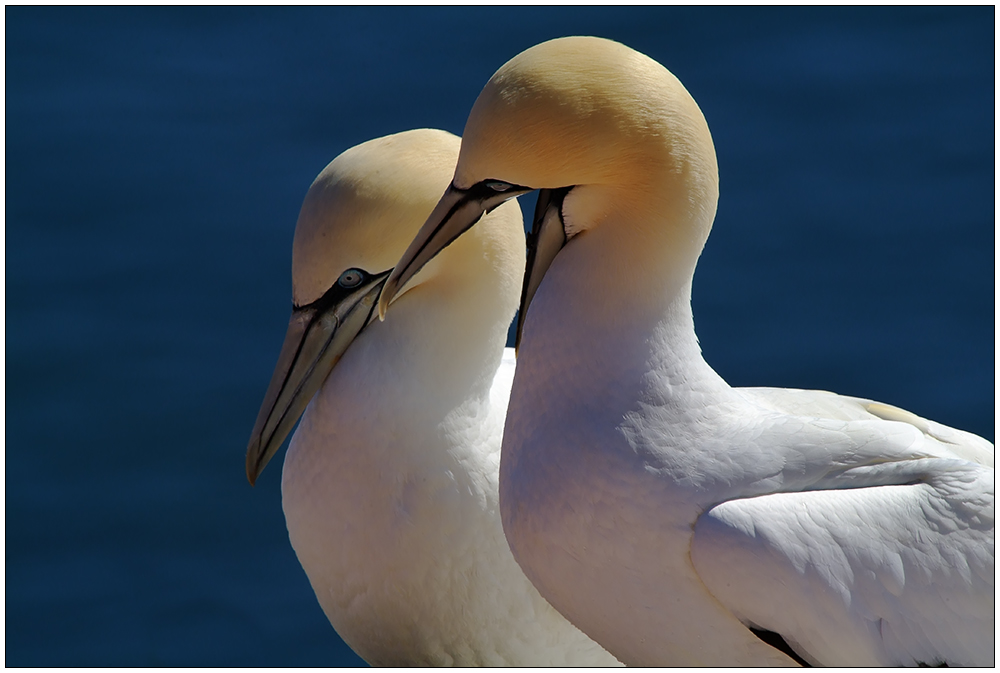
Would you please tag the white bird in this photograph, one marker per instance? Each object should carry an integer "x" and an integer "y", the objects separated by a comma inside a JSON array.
[
  {"x": 390, "y": 483},
  {"x": 677, "y": 520}
]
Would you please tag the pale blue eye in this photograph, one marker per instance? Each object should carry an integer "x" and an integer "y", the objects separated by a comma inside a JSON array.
[
  {"x": 351, "y": 278},
  {"x": 498, "y": 186}
]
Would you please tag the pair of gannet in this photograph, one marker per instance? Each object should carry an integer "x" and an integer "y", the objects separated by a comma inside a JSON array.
[
  {"x": 390, "y": 483},
  {"x": 674, "y": 519}
]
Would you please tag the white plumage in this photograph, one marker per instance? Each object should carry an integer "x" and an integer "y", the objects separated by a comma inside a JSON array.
[
  {"x": 390, "y": 483},
  {"x": 666, "y": 514}
]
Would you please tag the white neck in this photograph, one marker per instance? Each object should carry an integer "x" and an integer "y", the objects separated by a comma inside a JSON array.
[
  {"x": 384, "y": 413},
  {"x": 389, "y": 487},
  {"x": 616, "y": 301},
  {"x": 611, "y": 381}
]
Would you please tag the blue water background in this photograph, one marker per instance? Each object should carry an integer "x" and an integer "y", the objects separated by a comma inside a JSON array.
[{"x": 156, "y": 160}]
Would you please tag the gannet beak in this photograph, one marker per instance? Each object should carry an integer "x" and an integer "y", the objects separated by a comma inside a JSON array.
[
  {"x": 318, "y": 334},
  {"x": 456, "y": 212},
  {"x": 547, "y": 238}
]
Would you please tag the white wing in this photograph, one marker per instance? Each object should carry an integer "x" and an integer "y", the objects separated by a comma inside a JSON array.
[
  {"x": 823, "y": 404},
  {"x": 887, "y": 559}
]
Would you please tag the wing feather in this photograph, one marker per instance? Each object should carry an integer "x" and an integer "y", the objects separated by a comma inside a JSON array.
[{"x": 881, "y": 575}]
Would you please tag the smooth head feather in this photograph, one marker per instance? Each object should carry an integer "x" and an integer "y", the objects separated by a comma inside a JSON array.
[
  {"x": 558, "y": 114},
  {"x": 367, "y": 203},
  {"x": 624, "y": 132}
]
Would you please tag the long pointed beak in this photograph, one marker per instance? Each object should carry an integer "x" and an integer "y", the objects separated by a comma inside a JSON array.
[
  {"x": 547, "y": 237},
  {"x": 456, "y": 212},
  {"x": 317, "y": 336}
]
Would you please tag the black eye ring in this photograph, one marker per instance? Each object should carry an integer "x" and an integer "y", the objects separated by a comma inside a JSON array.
[
  {"x": 498, "y": 185},
  {"x": 351, "y": 278}
]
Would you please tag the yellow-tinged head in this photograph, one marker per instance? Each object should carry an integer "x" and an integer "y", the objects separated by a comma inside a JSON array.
[
  {"x": 357, "y": 218},
  {"x": 583, "y": 110},
  {"x": 612, "y": 133},
  {"x": 366, "y": 205}
]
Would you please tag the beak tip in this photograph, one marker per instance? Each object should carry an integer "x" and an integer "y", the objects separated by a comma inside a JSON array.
[
  {"x": 388, "y": 291},
  {"x": 251, "y": 467}
]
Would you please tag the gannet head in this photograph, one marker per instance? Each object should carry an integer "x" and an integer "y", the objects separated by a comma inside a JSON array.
[
  {"x": 608, "y": 132},
  {"x": 357, "y": 218}
]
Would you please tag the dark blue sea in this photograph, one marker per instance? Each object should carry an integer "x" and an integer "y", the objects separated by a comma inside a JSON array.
[{"x": 155, "y": 164}]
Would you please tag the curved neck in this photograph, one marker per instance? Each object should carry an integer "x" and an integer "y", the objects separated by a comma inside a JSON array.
[{"x": 618, "y": 295}]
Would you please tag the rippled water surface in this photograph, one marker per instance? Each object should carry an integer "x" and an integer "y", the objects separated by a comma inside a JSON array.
[{"x": 156, "y": 160}]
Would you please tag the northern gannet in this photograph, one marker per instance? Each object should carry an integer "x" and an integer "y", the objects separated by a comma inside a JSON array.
[
  {"x": 389, "y": 485},
  {"x": 677, "y": 520}
]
